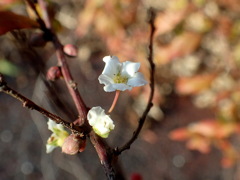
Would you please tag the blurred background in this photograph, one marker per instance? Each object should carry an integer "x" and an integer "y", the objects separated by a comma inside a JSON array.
[{"x": 193, "y": 130}]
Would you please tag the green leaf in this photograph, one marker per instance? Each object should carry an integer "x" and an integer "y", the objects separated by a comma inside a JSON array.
[{"x": 8, "y": 68}]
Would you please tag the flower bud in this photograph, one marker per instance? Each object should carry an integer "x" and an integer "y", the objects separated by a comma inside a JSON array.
[
  {"x": 73, "y": 144},
  {"x": 101, "y": 123},
  {"x": 70, "y": 50},
  {"x": 54, "y": 73},
  {"x": 37, "y": 40}
]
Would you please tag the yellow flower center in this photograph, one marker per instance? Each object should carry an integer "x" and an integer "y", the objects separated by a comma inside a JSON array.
[{"x": 120, "y": 79}]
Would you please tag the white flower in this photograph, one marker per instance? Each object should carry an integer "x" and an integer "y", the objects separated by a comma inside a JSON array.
[
  {"x": 120, "y": 76},
  {"x": 102, "y": 124},
  {"x": 57, "y": 137}
]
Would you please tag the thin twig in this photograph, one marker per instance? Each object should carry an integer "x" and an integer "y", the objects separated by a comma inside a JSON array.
[
  {"x": 45, "y": 16},
  {"x": 141, "y": 121},
  {"x": 39, "y": 19},
  {"x": 33, "y": 106}
]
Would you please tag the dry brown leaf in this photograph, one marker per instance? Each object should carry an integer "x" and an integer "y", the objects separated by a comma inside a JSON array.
[
  {"x": 10, "y": 21},
  {"x": 194, "y": 85},
  {"x": 182, "y": 45},
  {"x": 168, "y": 20},
  {"x": 4, "y": 4},
  {"x": 199, "y": 143},
  {"x": 179, "y": 134}
]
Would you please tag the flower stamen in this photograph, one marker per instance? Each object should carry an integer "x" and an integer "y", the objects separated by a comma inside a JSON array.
[{"x": 118, "y": 78}]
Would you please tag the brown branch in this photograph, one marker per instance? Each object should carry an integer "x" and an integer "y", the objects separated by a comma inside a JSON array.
[
  {"x": 101, "y": 148},
  {"x": 62, "y": 61},
  {"x": 104, "y": 154},
  {"x": 33, "y": 106},
  {"x": 71, "y": 84},
  {"x": 141, "y": 121}
]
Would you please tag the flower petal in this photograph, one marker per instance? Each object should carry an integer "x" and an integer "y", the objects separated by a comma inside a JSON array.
[
  {"x": 50, "y": 148},
  {"x": 52, "y": 125},
  {"x": 112, "y": 67},
  {"x": 137, "y": 80},
  {"x": 109, "y": 88},
  {"x": 92, "y": 115},
  {"x": 130, "y": 68},
  {"x": 100, "y": 133},
  {"x": 107, "y": 81},
  {"x": 100, "y": 128},
  {"x": 104, "y": 79},
  {"x": 121, "y": 87}
]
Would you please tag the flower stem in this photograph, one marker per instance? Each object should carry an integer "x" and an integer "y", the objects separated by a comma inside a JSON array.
[{"x": 114, "y": 101}]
